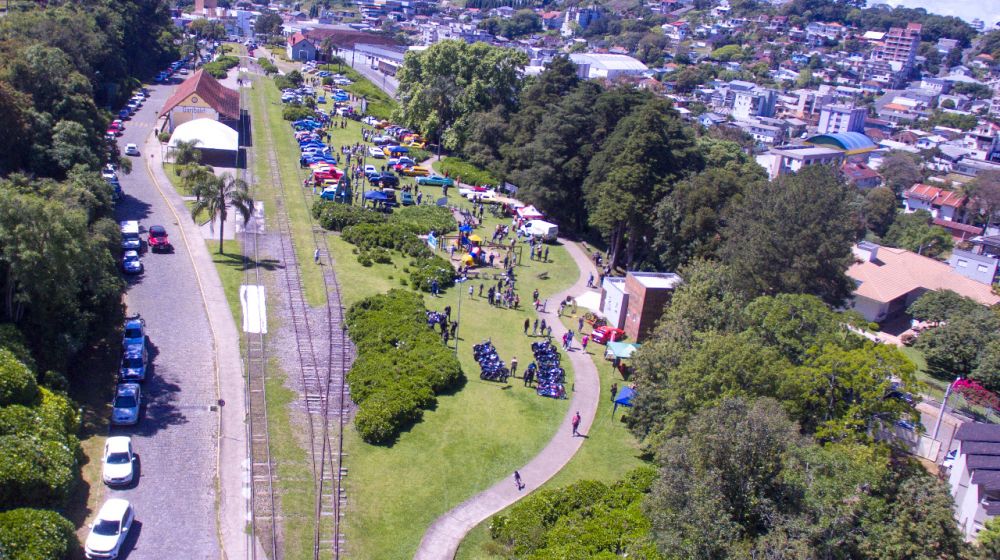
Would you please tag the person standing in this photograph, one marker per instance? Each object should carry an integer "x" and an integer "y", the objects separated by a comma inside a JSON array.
[
  {"x": 576, "y": 424},
  {"x": 447, "y": 312},
  {"x": 529, "y": 376},
  {"x": 534, "y": 327},
  {"x": 472, "y": 293},
  {"x": 454, "y": 328},
  {"x": 579, "y": 323},
  {"x": 527, "y": 323},
  {"x": 316, "y": 256},
  {"x": 614, "y": 391},
  {"x": 513, "y": 366},
  {"x": 546, "y": 254},
  {"x": 517, "y": 481},
  {"x": 543, "y": 325},
  {"x": 534, "y": 295}
]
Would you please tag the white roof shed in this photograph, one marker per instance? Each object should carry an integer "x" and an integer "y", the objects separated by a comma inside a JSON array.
[{"x": 210, "y": 134}]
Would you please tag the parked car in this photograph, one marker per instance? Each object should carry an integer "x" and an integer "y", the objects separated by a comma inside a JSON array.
[
  {"x": 369, "y": 169},
  {"x": 416, "y": 171},
  {"x": 131, "y": 150},
  {"x": 124, "y": 114},
  {"x": 605, "y": 334},
  {"x": 125, "y": 406},
  {"x": 436, "y": 181},
  {"x": 109, "y": 529},
  {"x": 131, "y": 263},
  {"x": 130, "y": 235},
  {"x": 135, "y": 331},
  {"x": 118, "y": 462},
  {"x": 375, "y": 153},
  {"x": 158, "y": 240},
  {"x": 388, "y": 179},
  {"x": 134, "y": 359},
  {"x": 406, "y": 199}
]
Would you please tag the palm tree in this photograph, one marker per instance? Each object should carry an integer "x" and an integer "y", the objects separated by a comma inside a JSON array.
[
  {"x": 185, "y": 153},
  {"x": 218, "y": 194},
  {"x": 194, "y": 178}
]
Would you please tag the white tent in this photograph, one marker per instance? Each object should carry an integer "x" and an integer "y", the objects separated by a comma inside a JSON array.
[
  {"x": 210, "y": 134},
  {"x": 530, "y": 213}
]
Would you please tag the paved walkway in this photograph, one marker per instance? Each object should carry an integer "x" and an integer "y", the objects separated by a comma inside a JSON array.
[
  {"x": 231, "y": 463},
  {"x": 442, "y": 538}
]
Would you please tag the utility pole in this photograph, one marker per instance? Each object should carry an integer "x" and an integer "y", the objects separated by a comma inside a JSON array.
[{"x": 944, "y": 403}]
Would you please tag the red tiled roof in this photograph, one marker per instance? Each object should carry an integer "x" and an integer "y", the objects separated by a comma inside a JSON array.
[
  {"x": 935, "y": 196},
  {"x": 219, "y": 97},
  {"x": 959, "y": 227},
  {"x": 858, "y": 171},
  {"x": 295, "y": 39}
]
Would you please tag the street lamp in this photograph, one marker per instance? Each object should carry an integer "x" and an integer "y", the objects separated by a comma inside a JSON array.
[{"x": 458, "y": 318}]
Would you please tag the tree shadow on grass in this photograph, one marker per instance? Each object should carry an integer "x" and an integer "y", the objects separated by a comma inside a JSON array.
[{"x": 241, "y": 263}]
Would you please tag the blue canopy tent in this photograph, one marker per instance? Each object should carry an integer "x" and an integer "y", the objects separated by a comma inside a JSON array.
[
  {"x": 623, "y": 398},
  {"x": 465, "y": 228}
]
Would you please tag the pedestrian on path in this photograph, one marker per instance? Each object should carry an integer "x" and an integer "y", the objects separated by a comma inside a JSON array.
[
  {"x": 513, "y": 367},
  {"x": 527, "y": 323},
  {"x": 614, "y": 391},
  {"x": 580, "y": 323},
  {"x": 590, "y": 280},
  {"x": 517, "y": 481},
  {"x": 576, "y": 424},
  {"x": 534, "y": 327},
  {"x": 316, "y": 255},
  {"x": 548, "y": 332}
]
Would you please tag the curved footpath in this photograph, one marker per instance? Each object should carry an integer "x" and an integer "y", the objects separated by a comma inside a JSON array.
[{"x": 442, "y": 538}]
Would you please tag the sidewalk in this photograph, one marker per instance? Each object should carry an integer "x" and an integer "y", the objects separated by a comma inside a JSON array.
[
  {"x": 442, "y": 538},
  {"x": 231, "y": 474}
]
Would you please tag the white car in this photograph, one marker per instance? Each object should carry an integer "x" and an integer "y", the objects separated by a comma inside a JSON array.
[
  {"x": 370, "y": 169},
  {"x": 370, "y": 121},
  {"x": 131, "y": 150},
  {"x": 110, "y": 529},
  {"x": 376, "y": 153},
  {"x": 119, "y": 461},
  {"x": 473, "y": 195}
]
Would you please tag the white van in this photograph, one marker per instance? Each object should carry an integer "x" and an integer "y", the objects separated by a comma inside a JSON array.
[
  {"x": 130, "y": 236},
  {"x": 539, "y": 228}
]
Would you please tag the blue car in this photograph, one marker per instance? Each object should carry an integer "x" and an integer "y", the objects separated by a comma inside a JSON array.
[
  {"x": 135, "y": 331},
  {"x": 124, "y": 114},
  {"x": 133, "y": 367},
  {"x": 131, "y": 263}
]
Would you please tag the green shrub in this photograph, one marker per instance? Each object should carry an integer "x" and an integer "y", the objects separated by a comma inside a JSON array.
[
  {"x": 394, "y": 236},
  {"x": 424, "y": 219},
  {"x": 401, "y": 364},
  {"x": 227, "y": 62},
  {"x": 294, "y": 112},
  {"x": 267, "y": 66},
  {"x": 364, "y": 260},
  {"x": 429, "y": 268},
  {"x": 12, "y": 339},
  {"x": 215, "y": 70},
  {"x": 54, "y": 419},
  {"x": 35, "y": 534},
  {"x": 35, "y": 472},
  {"x": 336, "y": 216},
  {"x": 467, "y": 172},
  {"x": 419, "y": 154},
  {"x": 17, "y": 382}
]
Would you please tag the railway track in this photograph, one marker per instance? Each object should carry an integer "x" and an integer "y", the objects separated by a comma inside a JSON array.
[{"x": 323, "y": 353}]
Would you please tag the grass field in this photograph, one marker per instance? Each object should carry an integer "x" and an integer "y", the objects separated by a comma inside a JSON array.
[{"x": 380, "y": 105}]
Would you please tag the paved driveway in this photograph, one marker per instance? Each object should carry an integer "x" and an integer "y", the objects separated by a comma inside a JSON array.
[{"x": 176, "y": 436}]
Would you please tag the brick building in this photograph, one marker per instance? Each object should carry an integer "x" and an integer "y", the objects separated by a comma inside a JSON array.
[{"x": 636, "y": 302}]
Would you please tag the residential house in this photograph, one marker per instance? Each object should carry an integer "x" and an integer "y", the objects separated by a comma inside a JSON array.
[
  {"x": 941, "y": 203},
  {"x": 974, "y": 480},
  {"x": 677, "y": 31},
  {"x": 300, "y": 47},
  {"x": 981, "y": 268},
  {"x": 888, "y": 280},
  {"x": 860, "y": 175}
]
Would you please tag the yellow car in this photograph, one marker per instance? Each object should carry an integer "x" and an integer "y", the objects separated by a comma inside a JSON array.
[
  {"x": 416, "y": 171},
  {"x": 414, "y": 144}
]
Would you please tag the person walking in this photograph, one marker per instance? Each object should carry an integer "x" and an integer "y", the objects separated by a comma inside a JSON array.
[
  {"x": 454, "y": 328},
  {"x": 534, "y": 327},
  {"x": 316, "y": 255},
  {"x": 614, "y": 391},
  {"x": 527, "y": 323},
  {"x": 534, "y": 294},
  {"x": 447, "y": 312},
  {"x": 480, "y": 289},
  {"x": 472, "y": 293},
  {"x": 584, "y": 341},
  {"x": 434, "y": 287},
  {"x": 576, "y": 424},
  {"x": 517, "y": 481},
  {"x": 579, "y": 323},
  {"x": 513, "y": 366}
]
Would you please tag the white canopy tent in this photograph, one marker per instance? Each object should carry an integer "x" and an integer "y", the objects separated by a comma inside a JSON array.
[{"x": 210, "y": 134}]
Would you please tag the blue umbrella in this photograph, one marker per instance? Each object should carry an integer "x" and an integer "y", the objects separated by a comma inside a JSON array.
[
  {"x": 376, "y": 195},
  {"x": 466, "y": 228}
]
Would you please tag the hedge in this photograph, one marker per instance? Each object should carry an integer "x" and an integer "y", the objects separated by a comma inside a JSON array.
[
  {"x": 337, "y": 216},
  {"x": 17, "y": 382},
  {"x": 267, "y": 66},
  {"x": 458, "y": 168},
  {"x": 589, "y": 518},
  {"x": 424, "y": 219},
  {"x": 35, "y": 534},
  {"x": 53, "y": 419},
  {"x": 35, "y": 472},
  {"x": 294, "y": 112},
  {"x": 401, "y": 364},
  {"x": 395, "y": 236},
  {"x": 432, "y": 267}
]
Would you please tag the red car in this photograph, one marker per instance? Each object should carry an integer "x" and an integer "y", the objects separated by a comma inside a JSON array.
[
  {"x": 158, "y": 240},
  {"x": 606, "y": 334}
]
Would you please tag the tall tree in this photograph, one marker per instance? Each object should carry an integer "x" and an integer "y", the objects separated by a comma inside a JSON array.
[
  {"x": 221, "y": 193},
  {"x": 914, "y": 232},
  {"x": 880, "y": 210},
  {"x": 649, "y": 150},
  {"x": 794, "y": 236},
  {"x": 900, "y": 171}
]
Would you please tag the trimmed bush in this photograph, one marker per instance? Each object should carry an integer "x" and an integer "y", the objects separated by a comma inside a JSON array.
[
  {"x": 35, "y": 534},
  {"x": 294, "y": 112},
  {"x": 267, "y": 66},
  {"x": 394, "y": 236},
  {"x": 54, "y": 419},
  {"x": 336, "y": 216},
  {"x": 424, "y": 219},
  {"x": 35, "y": 472},
  {"x": 401, "y": 364},
  {"x": 17, "y": 382},
  {"x": 430, "y": 268}
]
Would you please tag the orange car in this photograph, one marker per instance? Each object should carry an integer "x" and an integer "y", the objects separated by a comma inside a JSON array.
[{"x": 416, "y": 171}]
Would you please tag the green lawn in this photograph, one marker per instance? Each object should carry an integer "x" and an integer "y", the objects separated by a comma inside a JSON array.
[
  {"x": 380, "y": 105},
  {"x": 472, "y": 439},
  {"x": 265, "y": 103},
  {"x": 230, "y": 266},
  {"x": 467, "y": 172}
]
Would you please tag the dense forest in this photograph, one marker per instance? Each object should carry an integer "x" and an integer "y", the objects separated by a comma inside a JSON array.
[{"x": 61, "y": 67}]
